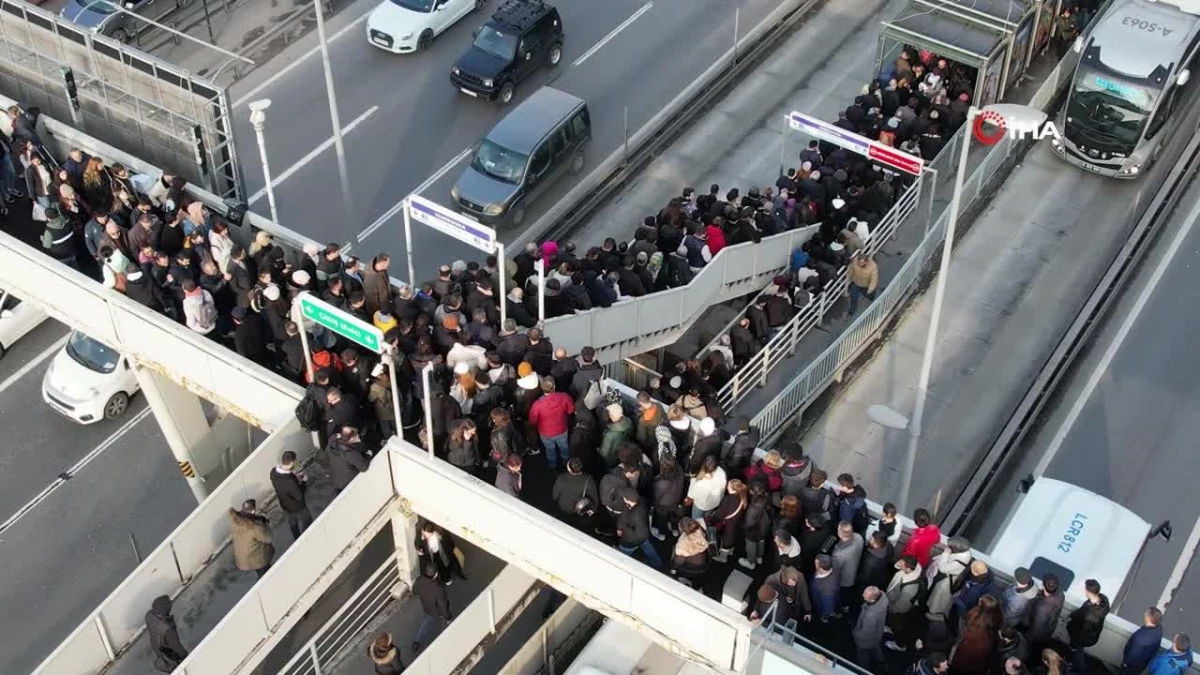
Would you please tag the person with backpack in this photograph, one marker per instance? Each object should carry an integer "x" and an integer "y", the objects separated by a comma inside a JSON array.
[
  {"x": 1175, "y": 662},
  {"x": 948, "y": 572},
  {"x": 906, "y": 593},
  {"x": 815, "y": 498}
]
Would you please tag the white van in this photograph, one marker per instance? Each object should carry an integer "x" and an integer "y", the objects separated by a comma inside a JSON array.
[
  {"x": 89, "y": 381},
  {"x": 16, "y": 319},
  {"x": 1074, "y": 533}
]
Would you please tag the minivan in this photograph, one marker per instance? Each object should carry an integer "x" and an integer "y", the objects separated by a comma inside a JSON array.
[{"x": 522, "y": 155}]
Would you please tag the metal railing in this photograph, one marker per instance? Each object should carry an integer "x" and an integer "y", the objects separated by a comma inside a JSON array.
[
  {"x": 775, "y": 415},
  {"x": 783, "y": 343},
  {"x": 347, "y": 624},
  {"x": 787, "y": 634},
  {"x": 630, "y": 373}
]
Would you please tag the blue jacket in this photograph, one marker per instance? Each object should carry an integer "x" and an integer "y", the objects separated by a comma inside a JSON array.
[
  {"x": 1170, "y": 663},
  {"x": 1141, "y": 647},
  {"x": 826, "y": 595},
  {"x": 799, "y": 260},
  {"x": 972, "y": 590}
]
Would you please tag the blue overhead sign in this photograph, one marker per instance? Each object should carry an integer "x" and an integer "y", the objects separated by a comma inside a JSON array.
[{"x": 454, "y": 224}]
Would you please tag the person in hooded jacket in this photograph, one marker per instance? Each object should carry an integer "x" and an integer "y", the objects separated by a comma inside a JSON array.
[
  {"x": 794, "y": 601},
  {"x": 1087, "y": 623},
  {"x": 1016, "y": 598},
  {"x": 756, "y": 525},
  {"x": 140, "y": 288},
  {"x": 979, "y": 582},
  {"x": 251, "y": 535},
  {"x": 949, "y": 570},
  {"x": 797, "y": 467},
  {"x": 650, "y": 418},
  {"x": 875, "y": 568},
  {"x": 689, "y": 559},
  {"x": 852, "y": 503},
  {"x": 906, "y": 592},
  {"x": 163, "y": 635},
  {"x": 616, "y": 432},
  {"x": 1177, "y": 661},
  {"x": 741, "y": 451},
  {"x": 385, "y": 655},
  {"x": 1011, "y": 645},
  {"x": 921, "y": 542}
]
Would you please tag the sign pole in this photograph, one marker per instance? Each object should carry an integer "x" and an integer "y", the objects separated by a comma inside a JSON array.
[
  {"x": 426, "y": 374},
  {"x": 541, "y": 270},
  {"x": 412, "y": 275},
  {"x": 308, "y": 364},
  {"x": 390, "y": 355},
  {"x": 500, "y": 262}
]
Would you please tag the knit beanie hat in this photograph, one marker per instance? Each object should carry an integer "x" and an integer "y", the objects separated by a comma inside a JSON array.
[
  {"x": 615, "y": 411},
  {"x": 525, "y": 369}
]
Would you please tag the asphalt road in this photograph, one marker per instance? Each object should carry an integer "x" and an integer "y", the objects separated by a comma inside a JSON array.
[
  {"x": 1126, "y": 422},
  {"x": 67, "y": 553},
  {"x": 416, "y": 123}
]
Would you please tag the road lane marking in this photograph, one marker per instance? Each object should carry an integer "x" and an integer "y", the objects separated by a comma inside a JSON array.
[
  {"x": 1181, "y": 565},
  {"x": 396, "y": 208},
  {"x": 291, "y": 170},
  {"x": 76, "y": 468},
  {"x": 607, "y": 38},
  {"x": 34, "y": 363},
  {"x": 1126, "y": 326},
  {"x": 250, "y": 95}
]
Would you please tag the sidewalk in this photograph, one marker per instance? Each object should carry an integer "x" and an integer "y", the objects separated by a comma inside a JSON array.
[{"x": 996, "y": 332}]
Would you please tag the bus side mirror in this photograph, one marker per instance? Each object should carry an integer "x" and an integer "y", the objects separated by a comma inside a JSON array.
[
  {"x": 1025, "y": 484},
  {"x": 1183, "y": 77},
  {"x": 1163, "y": 531}
]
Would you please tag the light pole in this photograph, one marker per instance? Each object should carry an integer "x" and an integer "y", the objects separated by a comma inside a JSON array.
[
  {"x": 1013, "y": 114},
  {"x": 338, "y": 145},
  {"x": 258, "y": 117}
]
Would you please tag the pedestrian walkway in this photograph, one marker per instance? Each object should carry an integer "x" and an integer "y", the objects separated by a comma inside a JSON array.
[{"x": 1016, "y": 282}]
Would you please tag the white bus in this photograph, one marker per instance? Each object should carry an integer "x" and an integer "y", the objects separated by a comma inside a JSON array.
[{"x": 1134, "y": 60}]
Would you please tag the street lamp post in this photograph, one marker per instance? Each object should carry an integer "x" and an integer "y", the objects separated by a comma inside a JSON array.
[
  {"x": 338, "y": 145},
  {"x": 1013, "y": 114},
  {"x": 258, "y": 117}
]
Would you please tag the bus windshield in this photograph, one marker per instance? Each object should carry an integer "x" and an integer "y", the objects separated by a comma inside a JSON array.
[{"x": 1109, "y": 108}]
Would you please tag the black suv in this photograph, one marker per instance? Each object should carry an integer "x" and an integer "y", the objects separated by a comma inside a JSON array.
[{"x": 520, "y": 36}]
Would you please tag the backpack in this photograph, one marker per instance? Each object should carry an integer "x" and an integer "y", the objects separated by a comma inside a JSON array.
[
  {"x": 593, "y": 397},
  {"x": 207, "y": 313},
  {"x": 308, "y": 413}
]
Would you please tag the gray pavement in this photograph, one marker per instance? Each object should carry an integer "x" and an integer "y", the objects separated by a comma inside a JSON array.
[
  {"x": 414, "y": 123},
  {"x": 1133, "y": 437},
  {"x": 71, "y": 550}
]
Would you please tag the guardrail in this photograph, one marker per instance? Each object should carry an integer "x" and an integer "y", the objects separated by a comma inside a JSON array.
[
  {"x": 345, "y": 627},
  {"x": 487, "y": 617},
  {"x": 190, "y": 548},
  {"x": 775, "y": 415},
  {"x": 783, "y": 343},
  {"x": 562, "y": 635}
]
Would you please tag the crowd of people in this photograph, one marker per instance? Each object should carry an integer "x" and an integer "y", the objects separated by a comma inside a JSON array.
[{"x": 677, "y": 483}]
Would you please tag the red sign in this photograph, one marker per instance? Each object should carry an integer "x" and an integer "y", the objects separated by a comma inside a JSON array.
[{"x": 897, "y": 159}]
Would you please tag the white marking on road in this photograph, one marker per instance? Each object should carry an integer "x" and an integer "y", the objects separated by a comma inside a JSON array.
[
  {"x": 250, "y": 95},
  {"x": 1126, "y": 326},
  {"x": 607, "y": 38},
  {"x": 1181, "y": 565},
  {"x": 34, "y": 363},
  {"x": 76, "y": 468},
  {"x": 437, "y": 175},
  {"x": 291, "y": 170}
]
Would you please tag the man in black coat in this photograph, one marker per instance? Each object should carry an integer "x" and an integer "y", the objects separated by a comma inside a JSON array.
[
  {"x": 346, "y": 458},
  {"x": 540, "y": 353},
  {"x": 142, "y": 289},
  {"x": 435, "y": 605},
  {"x": 290, "y": 489},
  {"x": 633, "y": 527},
  {"x": 169, "y": 651},
  {"x": 512, "y": 345},
  {"x": 341, "y": 410},
  {"x": 742, "y": 342},
  {"x": 248, "y": 337}
]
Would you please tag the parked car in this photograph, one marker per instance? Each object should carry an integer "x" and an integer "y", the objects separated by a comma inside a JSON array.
[
  {"x": 16, "y": 319},
  {"x": 89, "y": 381},
  {"x": 404, "y": 26},
  {"x": 114, "y": 19},
  {"x": 522, "y": 155},
  {"x": 520, "y": 37}
]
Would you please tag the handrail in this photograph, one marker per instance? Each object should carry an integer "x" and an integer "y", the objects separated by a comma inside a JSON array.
[
  {"x": 783, "y": 343},
  {"x": 774, "y": 416}
]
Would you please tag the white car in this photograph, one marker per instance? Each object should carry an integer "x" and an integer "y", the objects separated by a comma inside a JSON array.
[
  {"x": 404, "y": 26},
  {"x": 16, "y": 319},
  {"x": 88, "y": 381}
]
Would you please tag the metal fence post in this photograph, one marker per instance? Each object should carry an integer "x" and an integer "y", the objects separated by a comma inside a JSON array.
[
  {"x": 316, "y": 660},
  {"x": 821, "y": 307},
  {"x": 766, "y": 354},
  {"x": 795, "y": 335}
]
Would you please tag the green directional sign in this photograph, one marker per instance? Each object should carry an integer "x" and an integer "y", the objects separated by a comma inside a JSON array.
[{"x": 346, "y": 325}]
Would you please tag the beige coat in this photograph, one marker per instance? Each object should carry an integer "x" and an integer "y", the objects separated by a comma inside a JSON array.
[
  {"x": 252, "y": 548},
  {"x": 863, "y": 276}
]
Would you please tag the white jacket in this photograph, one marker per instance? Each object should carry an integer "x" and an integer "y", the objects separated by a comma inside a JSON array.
[{"x": 706, "y": 493}]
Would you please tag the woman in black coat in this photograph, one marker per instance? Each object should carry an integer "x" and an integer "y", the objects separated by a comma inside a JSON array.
[
  {"x": 729, "y": 515},
  {"x": 435, "y": 545}
]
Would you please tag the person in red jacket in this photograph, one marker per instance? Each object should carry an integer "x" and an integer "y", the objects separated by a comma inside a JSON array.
[
  {"x": 551, "y": 414},
  {"x": 715, "y": 236},
  {"x": 924, "y": 538}
]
